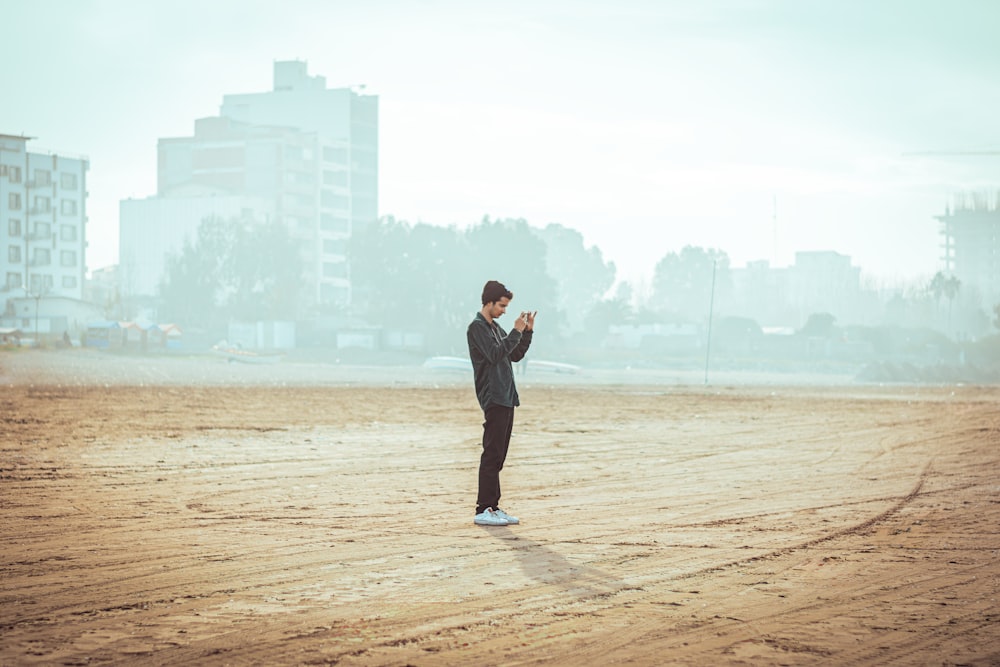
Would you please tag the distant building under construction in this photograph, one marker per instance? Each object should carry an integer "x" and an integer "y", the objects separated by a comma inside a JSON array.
[{"x": 971, "y": 231}]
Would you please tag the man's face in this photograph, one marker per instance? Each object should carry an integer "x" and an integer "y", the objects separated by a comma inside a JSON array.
[{"x": 498, "y": 308}]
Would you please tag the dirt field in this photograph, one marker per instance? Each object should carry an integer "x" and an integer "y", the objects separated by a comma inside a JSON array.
[{"x": 197, "y": 512}]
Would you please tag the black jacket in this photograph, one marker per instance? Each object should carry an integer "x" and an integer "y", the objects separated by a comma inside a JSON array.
[{"x": 492, "y": 350}]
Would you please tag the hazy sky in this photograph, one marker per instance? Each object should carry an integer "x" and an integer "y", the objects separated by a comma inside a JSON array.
[{"x": 646, "y": 125}]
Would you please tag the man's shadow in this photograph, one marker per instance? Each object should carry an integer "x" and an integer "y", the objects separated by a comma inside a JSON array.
[{"x": 546, "y": 566}]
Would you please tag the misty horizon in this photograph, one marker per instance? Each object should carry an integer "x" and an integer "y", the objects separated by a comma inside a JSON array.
[{"x": 758, "y": 129}]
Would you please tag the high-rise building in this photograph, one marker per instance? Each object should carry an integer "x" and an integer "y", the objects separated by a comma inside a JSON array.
[
  {"x": 345, "y": 123},
  {"x": 971, "y": 232},
  {"x": 301, "y": 154},
  {"x": 43, "y": 222},
  {"x": 823, "y": 280}
]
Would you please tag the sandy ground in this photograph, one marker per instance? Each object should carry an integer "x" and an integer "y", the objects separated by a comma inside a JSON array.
[{"x": 191, "y": 511}]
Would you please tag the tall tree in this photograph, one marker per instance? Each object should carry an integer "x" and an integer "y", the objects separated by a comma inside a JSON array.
[
  {"x": 414, "y": 277},
  {"x": 444, "y": 260},
  {"x": 683, "y": 282},
  {"x": 936, "y": 286},
  {"x": 236, "y": 268},
  {"x": 380, "y": 255},
  {"x": 604, "y": 314},
  {"x": 946, "y": 286},
  {"x": 265, "y": 269},
  {"x": 191, "y": 287},
  {"x": 581, "y": 275},
  {"x": 430, "y": 276},
  {"x": 508, "y": 251},
  {"x": 820, "y": 325}
]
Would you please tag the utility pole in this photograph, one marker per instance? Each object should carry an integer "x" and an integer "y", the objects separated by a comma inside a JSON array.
[
  {"x": 26, "y": 207},
  {"x": 774, "y": 230},
  {"x": 711, "y": 307},
  {"x": 38, "y": 298}
]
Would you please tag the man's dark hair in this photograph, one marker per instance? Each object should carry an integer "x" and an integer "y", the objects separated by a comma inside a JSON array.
[{"x": 494, "y": 291}]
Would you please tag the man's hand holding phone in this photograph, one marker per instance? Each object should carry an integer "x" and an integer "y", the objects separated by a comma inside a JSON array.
[{"x": 529, "y": 318}]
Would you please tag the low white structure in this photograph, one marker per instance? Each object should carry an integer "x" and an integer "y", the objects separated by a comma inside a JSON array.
[
  {"x": 49, "y": 318},
  {"x": 152, "y": 229}
]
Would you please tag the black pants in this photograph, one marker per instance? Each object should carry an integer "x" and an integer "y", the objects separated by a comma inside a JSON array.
[{"x": 496, "y": 439}]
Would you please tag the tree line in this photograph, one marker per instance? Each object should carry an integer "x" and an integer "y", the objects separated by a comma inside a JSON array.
[{"x": 424, "y": 277}]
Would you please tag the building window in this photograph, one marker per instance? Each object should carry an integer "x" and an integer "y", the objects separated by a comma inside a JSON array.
[
  {"x": 14, "y": 254},
  {"x": 43, "y": 178},
  {"x": 334, "y": 269},
  {"x": 333, "y": 200},
  {"x": 336, "y": 178},
  {"x": 67, "y": 232},
  {"x": 14, "y": 227},
  {"x": 69, "y": 281},
  {"x": 335, "y": 246},
  {"x": 15, "y": 174},
  {"x": 13, "y": 280},
  {"x": 292, "y": 201},
  {"x": 41, "y": 284},
  {"x": 335, "y": 155},
  {"x": 67, "y": 207},
  {"x": 67, "y": 181},
  {"x": 332, "y": 293},
  {"x": 14, "y": 201},
  {"x": 298, "y": 178},
  {"x": 333, "y": 223},
  {"x": 43, "y": 230},
  {"x": 42, "y": 204},
  {"x": 67, "y": 258},
  {"x": 42, "y": 257},
  {"x": 365, "y": 161}
]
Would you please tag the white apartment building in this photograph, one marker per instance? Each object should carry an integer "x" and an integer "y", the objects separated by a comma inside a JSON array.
[
  {"x": 308, "y": 151},
  {"x": 43, "y": 222}
]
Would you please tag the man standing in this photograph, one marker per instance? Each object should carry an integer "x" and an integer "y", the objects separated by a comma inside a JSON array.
[{"x": 492, "y": 350}]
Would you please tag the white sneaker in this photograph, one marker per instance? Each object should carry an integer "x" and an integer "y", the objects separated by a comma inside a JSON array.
[
  {"x": 508, "y": 518},
  {"x": 490, "y": 517}
]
